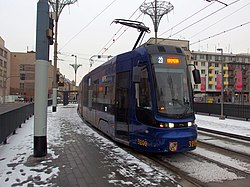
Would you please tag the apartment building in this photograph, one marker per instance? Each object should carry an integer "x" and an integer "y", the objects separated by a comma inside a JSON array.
[
  {"x": 236, "y": 75},
  {"x": 4, "y": 69}
]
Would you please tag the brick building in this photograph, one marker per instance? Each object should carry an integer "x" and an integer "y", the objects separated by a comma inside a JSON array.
[{"x": 22, "y": 80}]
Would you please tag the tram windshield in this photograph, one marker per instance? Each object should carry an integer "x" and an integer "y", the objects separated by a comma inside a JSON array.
[{"x": 172, "y": 89}]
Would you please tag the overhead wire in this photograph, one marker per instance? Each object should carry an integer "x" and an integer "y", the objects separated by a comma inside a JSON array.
[
  {"x": 202, "y": 19},
  {"x": 88, "y": 24},
  {"x": 219, "y": 20},
  {"x": 186, "y": 19},
  {"x": 220, "y": 33}
]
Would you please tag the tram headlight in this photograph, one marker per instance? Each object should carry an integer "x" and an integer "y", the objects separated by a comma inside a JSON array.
[
  {"x": 162, "y": 125},
  {"x": 190, "y": 123},
  {"x": 171, "y": 125}
]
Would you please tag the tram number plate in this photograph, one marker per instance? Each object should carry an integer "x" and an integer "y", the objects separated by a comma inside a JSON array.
[
  {"x": 192, "y": 143},
  {"x": 142, "y": 142}
]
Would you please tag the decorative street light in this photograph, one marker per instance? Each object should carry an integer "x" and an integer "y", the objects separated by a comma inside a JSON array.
[
  {"x": 75, "y": 66},
  {"x": 156, "y": 10},
  {"x": 222, "y": 87}
]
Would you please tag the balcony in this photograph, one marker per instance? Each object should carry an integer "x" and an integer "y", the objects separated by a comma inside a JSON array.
[
  {"x": 225, "y": 68},
  {"x": 226, "y": 83},
  {"x": 211, "y": 67},
  {"x": 210, "y": 75},
  {"x": 225, "y": 76},
  {"x": 211, "y": 82}
]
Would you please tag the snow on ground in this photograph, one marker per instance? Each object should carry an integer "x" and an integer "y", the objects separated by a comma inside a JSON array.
[
  {"x": 15, "y": 169},
  {"x": 228, "y": 125},
  {"x": 15, "y": 155}
]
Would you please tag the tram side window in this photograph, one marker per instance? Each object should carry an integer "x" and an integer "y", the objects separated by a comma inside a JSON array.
[{"x": 143, "y": 91}]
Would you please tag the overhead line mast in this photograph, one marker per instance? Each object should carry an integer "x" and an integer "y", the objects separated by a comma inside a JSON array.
[{"x": 57, "y": 6}]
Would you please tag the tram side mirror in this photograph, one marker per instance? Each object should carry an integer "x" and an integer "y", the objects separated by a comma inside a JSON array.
[
  {"x": 196, "y": 76},
  {"x": 136, "y": 74}
]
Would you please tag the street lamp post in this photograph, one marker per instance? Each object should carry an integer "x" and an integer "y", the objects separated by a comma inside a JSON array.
[
  {"x": 205, "y": 88},
  {"x": 75, "y": 66},
  {"x": 222, "y": 87}
]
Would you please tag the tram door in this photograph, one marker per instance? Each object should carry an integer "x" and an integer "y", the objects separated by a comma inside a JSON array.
[{"x": 122, "y": 105}]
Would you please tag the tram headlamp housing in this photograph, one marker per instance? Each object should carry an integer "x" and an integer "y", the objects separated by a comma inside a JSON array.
[
  {"x": 175, "y": 125},
  {"x": 166, "y": 125}
]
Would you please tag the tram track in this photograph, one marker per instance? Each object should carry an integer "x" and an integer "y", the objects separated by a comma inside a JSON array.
[
  {"x": 186, "y": 178},
  {"x": 179, "y": 176},
  {"x": 203, "y": 143},
  {"x": 208, "y": 157},
  {"x": 245, "y": 173},
  {"x": 231, "y": 144},
  {"x": 231, "y": 135}
]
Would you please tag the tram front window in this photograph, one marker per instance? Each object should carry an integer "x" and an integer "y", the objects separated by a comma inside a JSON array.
[{"x": 173, "y": 94}]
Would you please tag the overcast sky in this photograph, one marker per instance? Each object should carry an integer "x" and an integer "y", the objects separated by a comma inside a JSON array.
[{"x": 85, "y": 28}]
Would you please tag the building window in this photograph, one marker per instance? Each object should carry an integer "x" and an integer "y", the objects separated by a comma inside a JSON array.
[
  {"x": 5, "y": 64},
  {"x": 21, "y": 67},
  {"x": 1, "y": 52},
  {"x": 202, "y": 57},
  {"x": 22, "y": 76},
  {"x": 196, "y": 86},
  {"x": 21, "y": 85},
  {"x": 1, "y": 63},
  {"x": 5, "y": 54},
  {"x": 203, "y": 71},
  {"x": 195, "y": 63},
  {"x": 203, "y": 64},
  {"x": 210, "y": 57},
  {"x": 216, "y": 64}
]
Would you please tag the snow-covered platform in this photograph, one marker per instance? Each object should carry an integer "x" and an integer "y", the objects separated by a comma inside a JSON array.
[{"x": 77, "y": 156}]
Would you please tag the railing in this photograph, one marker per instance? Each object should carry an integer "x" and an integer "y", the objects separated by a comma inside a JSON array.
[
  {"x": 13, "y": 118},
  {"x": 230, "y": 110},
  {"x": 10, "y": 120}
]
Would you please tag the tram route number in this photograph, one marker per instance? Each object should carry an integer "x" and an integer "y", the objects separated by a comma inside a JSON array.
[
  {"x": 142, "y": 142},
  {"x": 193, "y": 143}
]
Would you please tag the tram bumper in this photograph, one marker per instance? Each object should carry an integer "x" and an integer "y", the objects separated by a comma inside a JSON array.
[{"x": 168, "y": 140}]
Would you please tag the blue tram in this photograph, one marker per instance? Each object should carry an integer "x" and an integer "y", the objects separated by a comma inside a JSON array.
[{"x": 143, "y": 98}]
